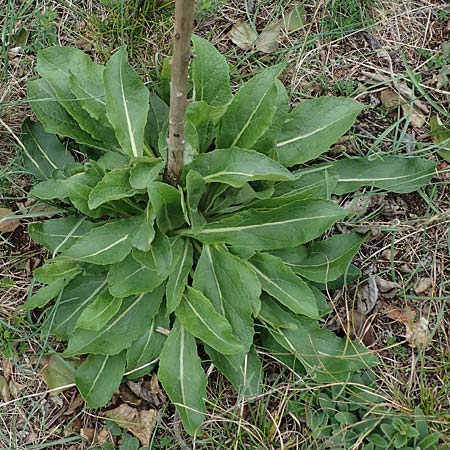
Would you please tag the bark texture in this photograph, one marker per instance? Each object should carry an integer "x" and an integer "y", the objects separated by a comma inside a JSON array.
[{"x": 182, "y": 55}]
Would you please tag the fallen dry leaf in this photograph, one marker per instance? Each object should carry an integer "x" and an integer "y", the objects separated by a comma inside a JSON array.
[
  {"x": 76, "y": 403},
  {"x": 406, "y": 316},
  {"x": 7, "y": 225},
  {"x": 4, "y": 389},
  {"x": 57, "y": 371},
  {"x": 391, "y": 100},
  {"x": 368, "y": 296},
  {"x": 422, "y": 285},
  {"x": 267, "y": 41},
  {"x": 148, "y": 391},
  {"x": 361, "y": 328},
  {"x": 140, "y": 423},
  {"x": 416, "y": 333},
  {"x": 243, "y": 35},
  {"x": 387, "y": 288},
  {"x": 295, "y": 19}
]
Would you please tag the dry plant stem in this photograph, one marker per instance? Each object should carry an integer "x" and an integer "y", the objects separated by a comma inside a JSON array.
[{"x": 184, "y": 22}]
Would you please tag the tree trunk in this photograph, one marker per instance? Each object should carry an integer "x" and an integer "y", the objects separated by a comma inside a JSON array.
[{"x": 184, "y": 22}]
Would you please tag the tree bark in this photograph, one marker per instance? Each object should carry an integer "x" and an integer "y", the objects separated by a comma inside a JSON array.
[{"x": 184, "y": 22}]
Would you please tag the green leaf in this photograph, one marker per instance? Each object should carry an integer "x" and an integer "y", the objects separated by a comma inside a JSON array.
[
  {"x": 50, "y": 189},
  {"x": 166, "y": 201},
  {"x": 392, "y": 173},
  {"x": 195, "y": 189},
  {"x": 236, "y": 166},
  {"x": 288, "y": 225},
  {"x": 199, "y": 129},
  {"x": 56, "y": 268},
  {"x": 60, "y": 320},
  {"x": 45, "y": 294},
  {"x": 59, "y": 234},
  {"x": 99, "y": 313},
  {"x": 99, "y": 377},
  {"x": 176, "y": 284},
  {"x": 251, "y": 112},
  {"x": 145, "y": 233},
  {"x": 326, "y": 357},
  {"x": 232, "y": 287},
  {"x": 56, "y": 64},
  {"x": 281, "y": 283},
  {"x": 54, "y": 118},
  {"x": 210, "y": 75},
  {"x": 57, "y": 372},
  {"x": 106, "y": 244},
  {"x": 267, "y": 142},
  {"x": 430, "y": 441},
  {"x": 243, "y": 370},
  {"x": 144, "y": 171},
  {"x": 113, "y": 186},
  {"x": 127, "y": 103},
  {"x": 148, "y": 347},
  {"x": 317, "y": 184},
  {"x": 313, "y": 126},
  {"x": 197, "y": 314},
  {"x": 126, "y": 326},
  {"x": 441, "y": 137},
  {"x": 323, "y": 261},
  {"x": 157, "y": 118},
  {"x": 43, "y": 151},
  {"x": 112, "y": 160},
  {"x": 181, "y": 374}
]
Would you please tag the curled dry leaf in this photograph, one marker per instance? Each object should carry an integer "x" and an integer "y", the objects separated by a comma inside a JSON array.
[
  {"x": 140, "y": 423},
  {"x": 391, "y": 100},
  {"x": 416, "y": 333},
  {"x": 387, "y": 288},
  {"x": 7, "y": 225},
  {"x": 368, "y": 296},
  {"x": 423, "y": 285},
  {"x": 361, "y": 327},
  {"x": 243, "y": 35}
]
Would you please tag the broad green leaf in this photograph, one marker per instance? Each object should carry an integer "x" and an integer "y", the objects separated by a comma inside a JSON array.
[
  {"x": 43, "y": 151},
  {"x": 56, "y": 64},
  {"x": 126, "y": 326},
  {"x": 251, "y": 112},
  {"x": 106, "y": 244},
  {"x": 113, "y": 186},
  {"x": 292, "y": 224},
  {"x": 318, "y": 184},
  {"x": 54, "y": 118},
  {"x": 56, "y": 268},
  {"x": 199, "y": 129},
  {"x": 176, "y": 284},
  {"x": 86, "y": 82},
  {"x": 313, "y": 126},
  {"x": 325, "y": 356},
  {"x": 58, "y": 372},
  {"x": 144, "y": 170},
  {"x": 148, "y": 347},
  {"x": 59, "y": 234},
  {"x": 243, "y": 370},
  {"x": 195, "y": 189},
  {"x": 145, "y": 232},
  {"x": 127, "y": 103},
  {"x": 210, "y": 75},
  {"x": 266, "y": 143},
  {"x": 99, "y": 377},
  {"x": 99, "y": 313},
  {"x": 45, "y": 294},
  {"x": 236, "y": 166},
  {"x": 133, "y": 276},
  {"x": 164, "y": 81},
  {"x": 60, "y": 320},
  {"x": 112, "y": 160},
  {"x": 392, "y": 173},
  {"x": 182, "y": 377},
  {"x": 232, "y": 287},
  {"x": 157, "y": 118},
  {"x": 50, "y": 189},
  {"x": 166, "y": 201},
  {"x": 281, "y": 283},
  {"x": 198, "y": 315},
  {"x": 159, "y": 256},
  {"x": 322, "y": 261}
]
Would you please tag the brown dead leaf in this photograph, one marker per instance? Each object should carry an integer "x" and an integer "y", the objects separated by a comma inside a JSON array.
[
  {"x": 267, "y": 41},
  {"x": 4, "y": 389},
  {"x": 76, "y": 403},
  {"x": 148, "y": 391},
  {"x": 360, "y": 327},
  {"x": 391, "y": 100},
  {"x": 423, "y": 285},
  {"x": 243, "y": 35},
  {"x": 140, "y": 423},
  {"x": 368, "y": 296},
  {"x": 388, "y": 289},
  {"x": 7, "y": 367},
  {"x": 416, "y": 333},
  {"x": 7, "y": 225},
  {"x": 405, "y": 316},
  {"x": 87, "y": 434}
]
